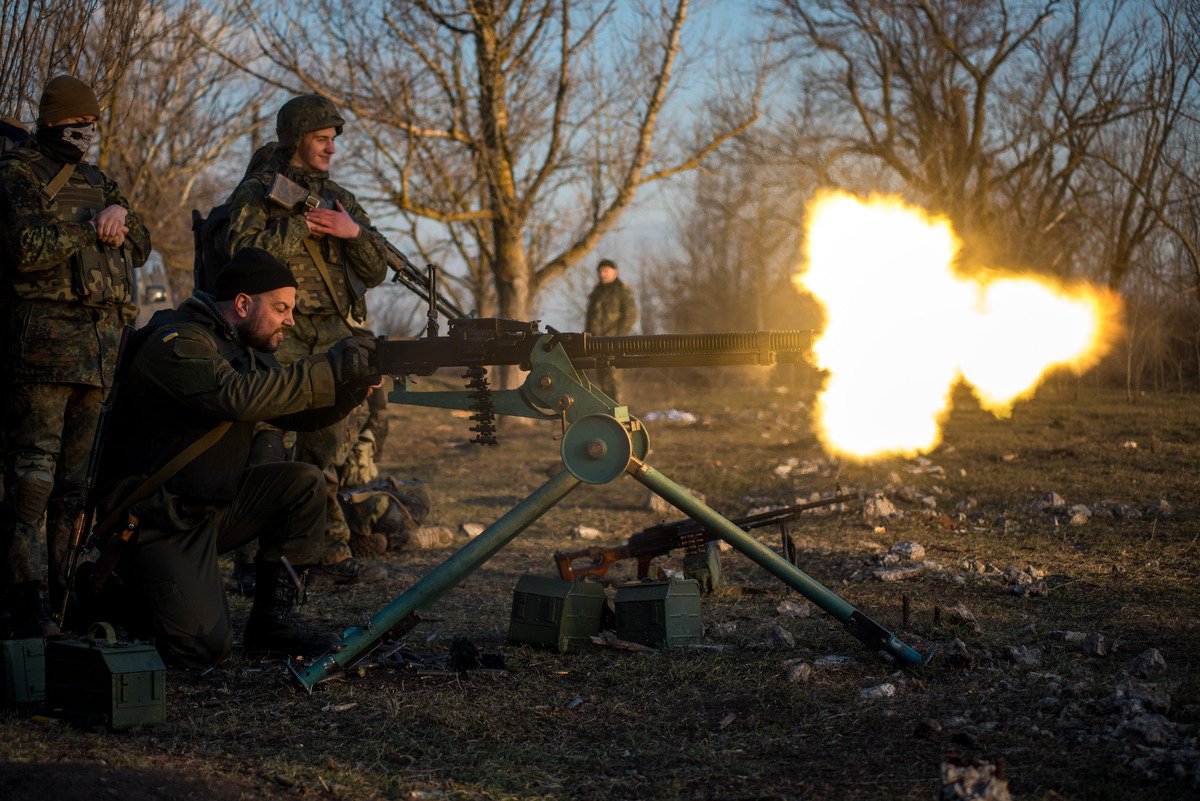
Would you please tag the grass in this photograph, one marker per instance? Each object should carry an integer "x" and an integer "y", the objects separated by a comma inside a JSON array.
[{"x": 707, "y": 724}]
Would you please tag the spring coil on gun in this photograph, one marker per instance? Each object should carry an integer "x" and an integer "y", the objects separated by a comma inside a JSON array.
[
  {"x": 700, "y": 343},
  {"x": 483, "y": 413}
]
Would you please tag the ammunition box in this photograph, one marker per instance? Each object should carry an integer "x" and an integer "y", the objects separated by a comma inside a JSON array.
[
  {"x": 103, "y": 681},
  {"x": 555, "y": 613},
  {"x": 659, "y": 613},
  {"x": 22, "y": 671}
]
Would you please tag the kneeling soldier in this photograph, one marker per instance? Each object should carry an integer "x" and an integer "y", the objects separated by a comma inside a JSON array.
[{"x": 205, "y": 371}]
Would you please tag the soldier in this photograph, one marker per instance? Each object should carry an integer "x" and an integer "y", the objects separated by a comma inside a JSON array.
[
  {"x": 208, "y": 367},
  {"x": 611, "y": 312},
  {"x": 335, "y": 255},
  {"x": 71, "y": 243}
]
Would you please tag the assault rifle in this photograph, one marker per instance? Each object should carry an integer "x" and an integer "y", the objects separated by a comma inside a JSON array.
[
  {"x": 661, "y": 539},
  {"x": 290, "y": 195},
  {"x": 81, "y": 526}
]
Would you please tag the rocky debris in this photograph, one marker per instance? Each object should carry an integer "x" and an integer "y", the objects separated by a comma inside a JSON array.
[
  {"x": 1121, "y": 511},
  {"x": 906, "y": 571},
  {"x": 1025, "y": 656},
  {"x": 660, "y": 506},
  {"x": 797, "y": 672},
  {"x": 670, "y": 416},
  {"x": 884, "y": 690},
  {"x": 908, "y": 550},
  {"x": 962, "y": 781},
  {"x": 1068, "y": 637},
  {"x": 1148, "y": 664},
  {"x": 922, "y": 466},
  {"x": 1080, "y": 515},
  {"x": 1051, "y": 501},
  {"x": 1134, "y": 698},
  {"x": 724, "y": 629},
  {"x": 1026, "y": 581},
  {"x": 797, "y": 467},
  {"x": 1095, "y": 645},
  {"x": 586, "y": 533},
  {"x": 1159, "y": 510},
  {"x": 956, "y": 655},
  {"x": 795, "y": 610},
  {"x": 878, "y": 506},
  {"x": 471, "y": 530},
  {"x": 959, "y": 613},
  {"x": 782, "y": 638},
  {"x": 831, "y": 661}
]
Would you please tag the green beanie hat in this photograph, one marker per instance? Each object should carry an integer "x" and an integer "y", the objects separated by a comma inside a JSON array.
[{"x": 65, "y": 97}]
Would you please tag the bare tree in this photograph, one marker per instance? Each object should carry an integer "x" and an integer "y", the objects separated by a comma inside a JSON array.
[{"x": 522, "y": 128}]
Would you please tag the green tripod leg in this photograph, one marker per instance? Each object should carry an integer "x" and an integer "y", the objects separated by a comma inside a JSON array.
[
  {"x": 871, "y": 633},
  {"x": 359, "y": 640}
]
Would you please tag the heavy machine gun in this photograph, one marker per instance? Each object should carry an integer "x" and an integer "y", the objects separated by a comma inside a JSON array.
[{"x": 600, "y": 441}]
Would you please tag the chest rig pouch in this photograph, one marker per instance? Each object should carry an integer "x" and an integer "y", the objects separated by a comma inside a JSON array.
[
  {"x": 97, "y": 275},
  {"x": 340, "y": 295}
]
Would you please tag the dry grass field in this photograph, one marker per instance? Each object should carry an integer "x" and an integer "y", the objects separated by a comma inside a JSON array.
[{"x": 1051, "y": 679}]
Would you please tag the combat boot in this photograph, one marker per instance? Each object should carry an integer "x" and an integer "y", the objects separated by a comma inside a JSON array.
[
  {"x": 272, "y": 630},
  {"x": 351, "y": 571},
  {"x": 30, "y": 614}
]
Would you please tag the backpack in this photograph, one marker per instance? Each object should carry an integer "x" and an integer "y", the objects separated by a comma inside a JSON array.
[{"x": 211, "y": 235}]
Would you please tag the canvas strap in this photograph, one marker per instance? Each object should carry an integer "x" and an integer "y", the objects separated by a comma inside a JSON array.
[
  {"x": 160, "y": 477},
  {"x": 58, "y": 182},
  {"x": 314, "y": 250}
]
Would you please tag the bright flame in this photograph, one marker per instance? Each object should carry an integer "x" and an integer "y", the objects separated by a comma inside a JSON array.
[{"x": 902, "y": 327}]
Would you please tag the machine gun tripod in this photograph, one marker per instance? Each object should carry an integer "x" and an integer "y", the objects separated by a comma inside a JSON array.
[{"x": 601, "y": 441}]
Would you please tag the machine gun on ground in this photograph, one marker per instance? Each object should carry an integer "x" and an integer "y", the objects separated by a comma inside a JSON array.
[
  {"x": 690, "y": 535},
  {"x": 600, "y": 442}
]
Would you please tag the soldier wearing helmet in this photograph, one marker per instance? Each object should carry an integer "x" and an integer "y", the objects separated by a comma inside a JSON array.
[{"x": 336, "y": 255}]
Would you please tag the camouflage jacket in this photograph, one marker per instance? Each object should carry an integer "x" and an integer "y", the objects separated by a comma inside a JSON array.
[
  {"x": 611, "y": 310},
  {"x": 354, "y": 264},
  {"x": 64, "y": 296}
]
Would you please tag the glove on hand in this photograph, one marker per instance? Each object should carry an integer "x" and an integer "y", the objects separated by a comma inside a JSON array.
[{"x": 350, "y": 359}]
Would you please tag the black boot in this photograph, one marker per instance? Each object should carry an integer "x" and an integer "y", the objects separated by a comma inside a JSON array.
[
  {"x": 271, "y": 629},
  {"x": 30, "y": 615}
]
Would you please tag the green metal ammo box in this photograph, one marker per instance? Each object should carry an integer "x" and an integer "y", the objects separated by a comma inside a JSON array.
[
  {"x": 555, "y": 613},
  {"x": 665, "y": 613},
  {"x": 102, "y": 681},
  {"x": 22, "y": 671}
]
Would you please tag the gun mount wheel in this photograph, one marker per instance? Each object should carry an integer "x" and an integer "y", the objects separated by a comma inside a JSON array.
[{"x": 596, "y": 449}]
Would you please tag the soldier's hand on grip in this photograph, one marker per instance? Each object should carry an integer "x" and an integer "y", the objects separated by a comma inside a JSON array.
[{"x": 351, "y": 360}]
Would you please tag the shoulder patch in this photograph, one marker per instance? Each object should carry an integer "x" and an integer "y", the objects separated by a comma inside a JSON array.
[{"x": 167, "y": 337}]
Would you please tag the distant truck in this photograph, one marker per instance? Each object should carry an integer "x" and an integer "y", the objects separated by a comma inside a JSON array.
[{"x": 152, "y": 289}]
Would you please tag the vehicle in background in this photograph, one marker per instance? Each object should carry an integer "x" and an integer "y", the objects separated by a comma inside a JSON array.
[{"x": 152, "y": 288}]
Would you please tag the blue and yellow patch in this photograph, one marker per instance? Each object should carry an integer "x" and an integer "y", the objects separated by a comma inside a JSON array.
[{"x": 169, "y": 336}]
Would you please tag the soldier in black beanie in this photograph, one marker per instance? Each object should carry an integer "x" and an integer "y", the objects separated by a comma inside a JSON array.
[{"x": 204, "y": 373}]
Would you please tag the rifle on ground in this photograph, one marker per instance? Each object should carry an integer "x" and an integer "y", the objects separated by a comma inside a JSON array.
[
  {"x": 661, "y": 539},
  {"x": 81, "y": 526},
  {"x": 422, "y": 283}
]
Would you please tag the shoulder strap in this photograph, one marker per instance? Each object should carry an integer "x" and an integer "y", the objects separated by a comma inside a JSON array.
[
  {"x": 58, "y": 182},
  {"x": 314, "y": 250},
  {"x": 160, "y": 477}
]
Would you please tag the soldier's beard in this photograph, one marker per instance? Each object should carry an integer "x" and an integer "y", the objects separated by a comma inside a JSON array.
[{"x": 255, "y": 340}]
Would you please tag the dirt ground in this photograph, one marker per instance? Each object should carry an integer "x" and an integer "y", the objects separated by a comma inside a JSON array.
[{"x": 1066, "y": 627}]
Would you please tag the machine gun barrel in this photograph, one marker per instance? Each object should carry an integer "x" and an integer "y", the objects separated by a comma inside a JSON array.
[{"x": 492, "y": 341}]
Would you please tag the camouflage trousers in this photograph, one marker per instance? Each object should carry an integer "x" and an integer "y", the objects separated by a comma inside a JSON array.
[
  {"x": 328, "y": 449},
  {"x": 48, "y": 438}
]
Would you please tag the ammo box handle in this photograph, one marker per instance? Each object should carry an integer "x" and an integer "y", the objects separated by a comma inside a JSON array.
[{"x": 110, "y": 635}]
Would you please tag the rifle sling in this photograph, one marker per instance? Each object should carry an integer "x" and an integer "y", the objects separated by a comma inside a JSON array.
[
  {"x": 56, "y": 183},
  {"x": 160, "y": 477},
  {"x": 314, "y": 250}
]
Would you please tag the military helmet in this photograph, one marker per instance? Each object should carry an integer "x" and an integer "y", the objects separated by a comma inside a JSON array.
[{"x": 305, "y": 114}]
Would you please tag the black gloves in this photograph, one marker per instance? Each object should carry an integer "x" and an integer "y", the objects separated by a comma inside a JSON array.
[{"x": 351, "y": 360}]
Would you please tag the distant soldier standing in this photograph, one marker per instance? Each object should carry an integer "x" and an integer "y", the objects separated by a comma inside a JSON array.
[
  {"x": 335, "y": 255},
  {"x": 611, "y": 312},
  {"x": 71, "y": 243}
]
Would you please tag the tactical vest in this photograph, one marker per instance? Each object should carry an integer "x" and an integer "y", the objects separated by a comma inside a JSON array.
[
  {"x": 151, "y": 432},
  {"x": 98, "y": 275},
  {"x": 312, "y": 293}
]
